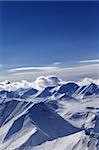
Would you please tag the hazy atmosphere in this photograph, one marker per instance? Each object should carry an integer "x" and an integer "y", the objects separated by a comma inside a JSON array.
[{"x": 39, "y": 38}]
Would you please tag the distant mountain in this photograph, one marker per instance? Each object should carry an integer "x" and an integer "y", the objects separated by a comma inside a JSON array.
[
  {"x": 68, "y": 88},
  {"x": 9, "y": 94},
  {"x": 46, "y": 92},
  {"x": 6, "y": 82},
  {"x": 85, "y": 91},
  {"x": 29, "y": 93},
  {"x": 89, "y": 90}
]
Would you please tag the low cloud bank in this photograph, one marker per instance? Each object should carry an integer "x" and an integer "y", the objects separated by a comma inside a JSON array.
[
  {"x": 86, "y": 81},
  {"x": 39, "y": 83},
  {"x": 42, "y": 82}
]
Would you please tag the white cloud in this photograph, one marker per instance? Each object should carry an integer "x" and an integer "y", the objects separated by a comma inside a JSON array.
[
  {"x": 31, "y": 68},
  {"x": 43, "y": 81},
  {"x": 39, "y": 83},
  {"x": 90, "y": 61},
  {"x": 56, "y": 63},
  {"x": 16, "y": 85},
  {"x": 71, "y": 73},
  {"x": 87, "y": 81}
]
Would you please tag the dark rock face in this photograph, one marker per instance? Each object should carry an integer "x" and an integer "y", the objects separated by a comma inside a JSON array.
[
  {"x": 68, "y": 88},
  {"x": 29, "y": 93}
]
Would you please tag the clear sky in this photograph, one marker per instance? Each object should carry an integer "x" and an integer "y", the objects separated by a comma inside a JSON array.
[{"x": 44, "y": 33}]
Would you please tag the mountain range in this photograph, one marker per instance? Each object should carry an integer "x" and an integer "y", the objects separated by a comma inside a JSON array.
[{"x": 58, "y": 116}]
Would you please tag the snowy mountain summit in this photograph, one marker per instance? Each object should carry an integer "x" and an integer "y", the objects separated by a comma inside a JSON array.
[{"x": 49, "y": 114}]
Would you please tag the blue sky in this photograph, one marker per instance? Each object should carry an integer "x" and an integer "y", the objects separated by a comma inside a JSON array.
[{"x": 40, "y": 34}]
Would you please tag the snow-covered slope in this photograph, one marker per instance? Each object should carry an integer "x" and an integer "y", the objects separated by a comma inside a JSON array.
[{"x": 64, "y": 116}]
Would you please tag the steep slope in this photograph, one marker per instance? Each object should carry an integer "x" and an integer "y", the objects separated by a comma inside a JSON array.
[
  {"x": 85, "y": 91},
  {"x": 68, "y": 88},
  {"x": 75, "y": 141},
  {"x": 29, "y": 93},
  {"x": 46, "y": 92},
  {"x": 22, "y": 116}
]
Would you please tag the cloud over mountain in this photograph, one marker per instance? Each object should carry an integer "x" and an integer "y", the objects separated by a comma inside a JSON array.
[
  {"x": 42, "y": 82},
  {"x": 86, "y": 81}
]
